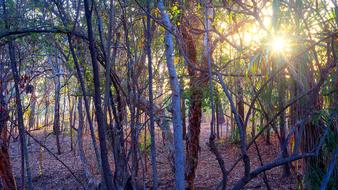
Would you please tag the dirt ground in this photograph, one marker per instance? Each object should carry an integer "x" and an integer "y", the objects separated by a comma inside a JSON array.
[{"x": 55, "y": 176}]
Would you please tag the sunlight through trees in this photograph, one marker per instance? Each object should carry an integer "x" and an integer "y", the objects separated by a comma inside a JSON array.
[{"x": 168, "y": 94}]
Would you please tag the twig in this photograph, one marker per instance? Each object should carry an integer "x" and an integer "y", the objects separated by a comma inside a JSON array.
[{"x": 58, "y": 159}]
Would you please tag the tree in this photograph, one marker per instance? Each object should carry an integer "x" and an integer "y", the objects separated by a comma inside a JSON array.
[
  {"x": 106, "y": 172},
  {"x": 7, "y": 179},
  {"x": 56, "y": 125},
  {"x": 176, "y": 104},
  {"x": 145, "y": 65}
]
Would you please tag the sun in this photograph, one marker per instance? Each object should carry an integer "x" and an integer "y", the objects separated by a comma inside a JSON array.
[{"x": 278, "y": 44}]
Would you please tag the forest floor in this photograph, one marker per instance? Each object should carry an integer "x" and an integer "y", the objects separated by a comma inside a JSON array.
[{"x": 53, "y": 175}]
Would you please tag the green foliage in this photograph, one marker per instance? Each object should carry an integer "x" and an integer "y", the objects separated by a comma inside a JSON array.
[
  {"x": 255, "y": 62},
  {"x": 259, "y": 127},
  {"x": 241, "y": 45},
  {"x": 174, "y": 13},
  {"x": 276, "y": 14},
  {"x": 144, "y": 146},
  {"x": 315, "y": 176},
  {"x": 234, "y": 136},
  {"x": 206, "y": 104},
  {"x": 323, "y": 118}
]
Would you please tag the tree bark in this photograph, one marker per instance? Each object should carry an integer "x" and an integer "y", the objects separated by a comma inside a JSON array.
[
  {"x": 107, "y": 175},
  {"x": 86, "y": 102},
  {"x": 176, "y": 104},
  {"x": 150, "y": 87},
  {"x": 23, "y": 142},
  {"x": 196, "y": 85},
  {"x": 71, "y": 126},
  {"x": 56, "y": 126},
  {"x": 46, "y": 107},
  {"x": 183, "y": 108},
  {"x": 89, "y": 177},
  {"x": 282, "y": 126},
  {"x": 31, "y": 119},
  {"x": 7, "y": 180},
  {"x": 240, "y": 100},
  {"x": 65, "y": 22}
]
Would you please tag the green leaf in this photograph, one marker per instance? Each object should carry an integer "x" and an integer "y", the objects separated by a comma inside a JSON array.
[{"x": 252, "y": 61}]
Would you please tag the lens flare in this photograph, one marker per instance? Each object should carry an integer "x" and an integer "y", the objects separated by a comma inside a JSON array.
[{"x": 278, "y": 44}]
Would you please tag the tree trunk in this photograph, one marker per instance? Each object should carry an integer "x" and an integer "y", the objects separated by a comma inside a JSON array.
[
  {"x": 183, "y": 108},
  {"x": 89, "y": 177},
  {"x": 267, "y": 135},
  {"x": 219, "y": 118},
  {"x": 240, "y": 100},
  {"x": 82, "y": 84},
  {"x": 46, "y": 107},
  {"x": 22, "y": 132},
  {"x": 176, "y": 105},
  {"x": 71, "y": 110},
  {"x": 86, "y": 102},
  {"x": 150, "y": 87},
  {"x": 7, "y": 180},
  {"x": 63, "y": 116},
  {"x": 56, "y": 126},
  {"x": 282, "y": 126},
  {"x": 107, "y": 175},
  {"x": 73, "y": 124},
  {"x": 197, "y": 84},
  {"x": 31, "y": 119},
  {"x": 253, "y": 129},
  {"x": 232, "y": 125}
]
